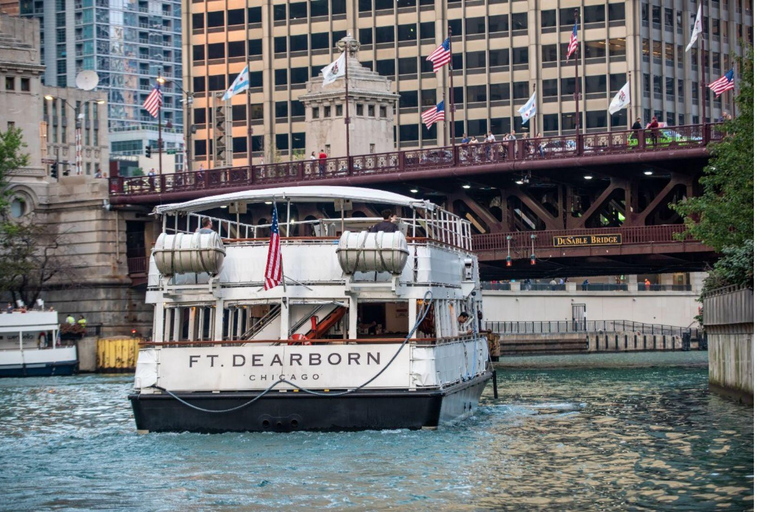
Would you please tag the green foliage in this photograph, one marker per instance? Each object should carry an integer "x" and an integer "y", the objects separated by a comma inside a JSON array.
[
  {"x": 11, "y": 158},
  {"x": 737, "y": 266},
  {"x": 723, "y": 215}
]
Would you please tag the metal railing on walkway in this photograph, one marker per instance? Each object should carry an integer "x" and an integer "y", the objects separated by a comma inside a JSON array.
[{"x": 584, "y": 326}]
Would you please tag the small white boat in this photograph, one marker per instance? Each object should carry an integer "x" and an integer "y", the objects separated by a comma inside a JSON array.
[
  {"x": 363, "y": 332},
  {"x": 30, "y": 346}
]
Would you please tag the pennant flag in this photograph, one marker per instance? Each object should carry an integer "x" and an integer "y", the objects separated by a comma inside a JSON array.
[
  {"x": 529, "y": 109},
  {"x": 696, "y": 29},
  {"x": 273, "y": 274},
  {"x": 573, "y": 45},
  {"x": 334, "y": 70},
  {"x": 240, "y": 84},
  {"x": 724, "y": 83},
  {"x": 440, "y": 56},
  {"x": 154, "y": 100},
  {"x": 434, "y": 114},
  {"x": 621, "y": 100}
]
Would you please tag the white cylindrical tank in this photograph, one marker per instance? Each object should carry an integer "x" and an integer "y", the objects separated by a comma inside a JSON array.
[
  {"x": 189, "y": 252},
  {"x": 368, "y": 252}
]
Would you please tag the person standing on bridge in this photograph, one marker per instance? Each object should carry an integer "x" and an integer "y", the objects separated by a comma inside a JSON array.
[
  {"x": 322, "y": 157},
  {"x": 636, "y": 130},
  {"x": 654, "y": 126}
]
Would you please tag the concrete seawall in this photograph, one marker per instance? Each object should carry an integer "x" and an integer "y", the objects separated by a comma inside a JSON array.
[{"x": 583, "y": 343}]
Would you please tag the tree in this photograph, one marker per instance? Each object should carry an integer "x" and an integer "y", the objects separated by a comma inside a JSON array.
[
  {"x": 723, "y": 215},
  {"x": 11, "y": 158}
]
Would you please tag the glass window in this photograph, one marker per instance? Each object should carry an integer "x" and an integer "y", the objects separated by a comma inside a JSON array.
[
  {"x": 656, "y": 15},
  {"x": 280, "y": 45},
  {"x": 338, "y": 6},
  {"x": 299, "y": 43},
  {"x": 281, "y": 76},
  {"x": 549, "y": 53},
  {"x": 297, "y": 10},
  {"x": 617, "y": 81},
  {"x": 383, "y": 111},
  {"x": 595, "y": 83},
  {"x": 569, "y": 121},
  {"x": 216, "y": 19},
  {"x": 198, "y": 52},
  {"x": 549, "y": 18},
  {"x": 217, "y": 83},
  {"x": 406, "y": 32},
  {"x": 457, "y": 60},
  {"x": 409, "y": 132},
  {"x": 499, "y": 23},
  {"x": 281, "y": 109},
  {"x": 455, "y": 26},
  {"x": 319, "y": 40},
  {"x": 617, "y": 47},
  {"x": 498, "y": 57},
  {"x": 363, "y": 5},
  {"x": 475, "y": 25},
  {"x": 594, "y": 14},
  {"x": 550, "y": 122},
  {"x": 616, "y": 12},
  {"x": 257, "y": 79},
  {"x": 279, "y": 12},
  {"x": 299, "y": 76},
  {"x": 520, "y": 21},
  {"x": 597, "y": 119},
  {"x": 567, "y": 86},
  {"x": 254, "y": 15},
  {"x": 385, "y": 67},
  {"x": 475, "y": 60},
  {"x": 567, "y": 18},
  {"x": 409, "y": 99},
  {"x": 255, "y": 47},
  {"x": 320, "y": 7},
  {"x": 366, "y": 36},
  {"x": 407, "y": 66},
  {"x": 385, "y": 35},
  {"x": 297, "y": 108},
  {"x": 594, "y": 49},
  {"x": 427, "y": 30},
  {"x": 236, "y": 17},
  {"x": 429, "y": 97},
  {"x": 519, "y": 56},
  {"x": 339, "y": 110},
  {"x": 237, "y": 49},
  {"x": 520, "y": 90},
  {"x": 198, "y": 20},
  {"x": 476, "y": 93},
  {"x": 477, "y": 127},
  {"x": 198, "y": 84},
  {"x": 281, "y": 141},
  {"x": 499, "y": 92}
]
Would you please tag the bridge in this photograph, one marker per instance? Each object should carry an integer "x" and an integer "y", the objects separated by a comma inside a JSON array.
[{"x": 616, "y": 184}]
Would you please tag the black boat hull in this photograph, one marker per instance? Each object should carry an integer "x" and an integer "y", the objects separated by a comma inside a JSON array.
[{"x": 289, "y": 411}]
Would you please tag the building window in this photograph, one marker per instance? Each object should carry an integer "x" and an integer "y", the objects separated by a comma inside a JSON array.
[
  {"x": 616, "y": 12},
  {"x": 498, "y": 24},
  {"x": 10, "y": 83},
  {"x": 407, "y": 66},
  {"x": 320, "y": 7},
  {"x": 279, "y": 12},
  {"x": 371, "y": 111},
  {"x": 597, "y": 119},
  {"x": 409, "y": 132},
  {"x": 520, "y": 90},
  {"x": 360, "y": 109},
  {"x": 549, "y": 53},
  {"x": 476, "y": 93},
  {"x": 385, "y": 35},
  {"x": 216, "y": 51},
  {"x": 475, "y": 25},
  {"x": 299, "y": 43},
  {"x": 18, "y": 207},
  {"x": 519, "y": 56},
  {"x": 406, "y": 32},
  {"x": 327, "y": 111},
  {"x": 549, "y": 18},
  {"x": 297, "y": 10},
  {"x": 595, "y": 84},
  {"x": 476, "y": 59},
  {"x": 383, "y": 111},
  {"x": 499, "y": 92},
  {"x": 25, "y": 84},
  {"x": 550, "y": 122},
  {"x": 315, "y": 112},
  {"x": 339, "y": 110},
  {"x": 594, "y": 14},
  {"x": 548, "y": 88},
  {"x": 216, "y": 19},
  {"x": 281, "y": 109}
]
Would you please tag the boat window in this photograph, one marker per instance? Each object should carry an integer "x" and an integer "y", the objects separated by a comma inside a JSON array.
[{"x": 382, "y": 319}]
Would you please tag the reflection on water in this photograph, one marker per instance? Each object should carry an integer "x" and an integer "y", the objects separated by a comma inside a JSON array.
[{"x": 651, "y": 439}]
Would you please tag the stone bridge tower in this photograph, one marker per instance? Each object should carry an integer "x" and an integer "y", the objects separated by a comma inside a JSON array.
[{"x": 371, "y": 110}]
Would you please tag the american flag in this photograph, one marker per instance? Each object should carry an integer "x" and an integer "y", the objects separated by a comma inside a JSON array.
[
  {"x": 724, "y": 83},
  {"x": 154, "y": 100},
  {"x": 434, "y": 114},
  {"x": 273, "y": 274},
  {"x": 441, "y": 56},
  {"x": 574, "y": 44}
]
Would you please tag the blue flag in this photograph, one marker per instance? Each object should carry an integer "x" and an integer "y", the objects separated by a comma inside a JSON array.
[{"x": 240, "y": 84}]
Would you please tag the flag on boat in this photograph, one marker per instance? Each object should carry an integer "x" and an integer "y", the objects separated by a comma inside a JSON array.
[
  {"x": 273, "y": 274},
  {"x": 573, "y": 45},
  {"x": 440, "y": 56},
  {"x": 528, "y": 110},
  {"x": 621, "y": 100},
  {"x": 154, "y": 100},
  {"x": 433, "y": 115},
  {"x": 334, "y": 70},
  {"x": 240, "y": 84},
  {"x": 724, "y": 83},
  {"x": 696, "y": 30}
]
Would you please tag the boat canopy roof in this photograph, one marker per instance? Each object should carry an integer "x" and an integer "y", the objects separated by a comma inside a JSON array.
[{"x": 307, "y": 194}]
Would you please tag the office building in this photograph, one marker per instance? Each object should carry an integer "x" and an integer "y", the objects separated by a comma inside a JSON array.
[
  {"x": 129, "y": 44},
  {"x": 501, "y": 51}
]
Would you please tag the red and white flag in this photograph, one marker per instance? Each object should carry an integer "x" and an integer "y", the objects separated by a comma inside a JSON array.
[
  {"x": 154, "y": 100},
  {"x": 440, "y": 56},
  {"x": 273, "y": 274},
  {"x": 573, "y": 45}
]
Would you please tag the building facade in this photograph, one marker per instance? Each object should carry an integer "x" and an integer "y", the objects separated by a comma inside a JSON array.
[
  {"x": 502, "y": 50},
  {"x": 129, "y": 43}
]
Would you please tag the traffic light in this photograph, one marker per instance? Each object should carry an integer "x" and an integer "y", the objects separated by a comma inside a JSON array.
[
  {"x": 148, "y": 151},
  {"x": 533, "y": 259},
  {"x": 509, "y": 261},
  {"x": 54, "y": 171}
]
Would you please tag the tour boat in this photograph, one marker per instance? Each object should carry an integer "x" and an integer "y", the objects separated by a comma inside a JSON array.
[
  {"x": 362, "y": 331},
  {"x": 30, "y": 346}
]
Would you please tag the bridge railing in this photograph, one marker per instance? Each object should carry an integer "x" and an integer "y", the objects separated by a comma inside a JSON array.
[
  {"x": 464, "y": 155},
  {"x": 519, "y": 240}
]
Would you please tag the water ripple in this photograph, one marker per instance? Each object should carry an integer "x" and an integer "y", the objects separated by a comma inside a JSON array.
[{"x": 640, "y": 439}]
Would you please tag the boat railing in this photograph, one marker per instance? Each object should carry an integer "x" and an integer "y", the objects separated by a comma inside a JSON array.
[{"x": 329, "y": 341}]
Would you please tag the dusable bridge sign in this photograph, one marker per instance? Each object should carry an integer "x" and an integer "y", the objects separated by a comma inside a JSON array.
[{"x": 586, "y": 240}]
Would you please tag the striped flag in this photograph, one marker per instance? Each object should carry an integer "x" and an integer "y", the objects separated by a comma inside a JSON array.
[
  {"x": 273, "y": 274},
  {"x": 154, "y": 101},
  {"x": 440, "y": 56},
  {"x": 431, "y": 116},
  {"x": 724, "y": 83},
  {"x": 574, "y": 44}
]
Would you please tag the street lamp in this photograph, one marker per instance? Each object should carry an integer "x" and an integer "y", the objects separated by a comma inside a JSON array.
[{"x": 78, "y": 130}]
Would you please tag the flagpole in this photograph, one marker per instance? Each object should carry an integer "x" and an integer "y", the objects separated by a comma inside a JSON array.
[
  {"x": 248, "y": 92},
  {"x": 346, "y": 99},
  {"x": 576, "y": 67},
  {"x": 450, "y": 74},
  {"x": 534, "y": 111},
  {"x": 631, "y": 103},
  {"x": 160, "y": 130},
  {"x": 702, "y": 119}
]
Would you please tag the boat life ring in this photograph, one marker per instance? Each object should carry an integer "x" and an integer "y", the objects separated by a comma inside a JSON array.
[{"x": 300, "y": 337}]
